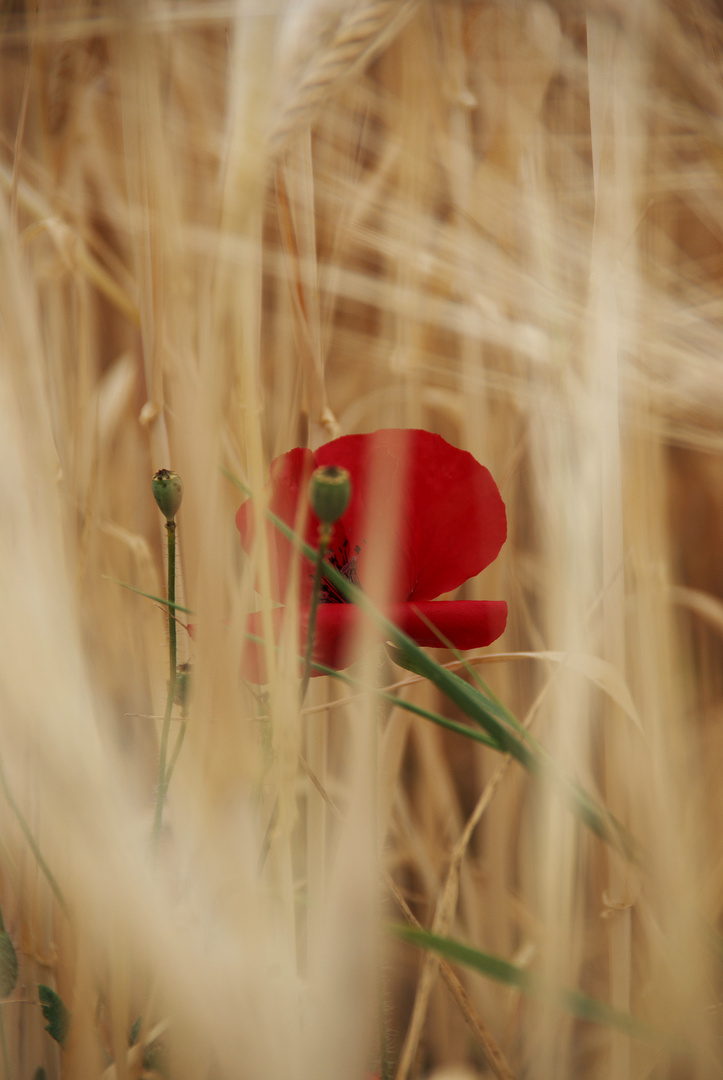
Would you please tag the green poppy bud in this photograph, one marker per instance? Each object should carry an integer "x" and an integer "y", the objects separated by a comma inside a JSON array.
[
  {"x": 168, "y": 492},
  {"x": 8, "y": 965},
  {"x": 329, "y": 493}
]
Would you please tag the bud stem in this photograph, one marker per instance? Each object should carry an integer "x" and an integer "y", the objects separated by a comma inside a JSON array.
[
  {"x": 171, "y": 531},
  {"x": 325, "y": 534},
  {"x": 163, "y": 779}
]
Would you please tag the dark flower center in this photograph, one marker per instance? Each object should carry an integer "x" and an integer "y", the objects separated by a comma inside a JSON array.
[{"x": 328, "y": 593}]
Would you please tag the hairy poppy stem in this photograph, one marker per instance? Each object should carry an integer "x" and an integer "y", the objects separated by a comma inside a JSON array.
[
  {"x": 171, "y": 696},
  {"x": 172, "y": 650},
  {"x": 167, "y": 491},
  {"x": 181, "y": 688},
  {"x": 325, "y": 534}
]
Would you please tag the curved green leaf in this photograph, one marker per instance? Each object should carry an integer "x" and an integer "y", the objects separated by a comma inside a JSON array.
[{"x": 494, "y": 967}]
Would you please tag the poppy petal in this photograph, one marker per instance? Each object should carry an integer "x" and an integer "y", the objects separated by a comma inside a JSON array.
[
  {"x": 435, "y": 504},
  {"x": 433, "y": 507},
  {"x": 289, "y": 476},
  {"x": 467, "y": 624},
  {"x": 288, "y": 488},
  {"x": 334, "y": 638},
  {"x": 377, "y": 520}
]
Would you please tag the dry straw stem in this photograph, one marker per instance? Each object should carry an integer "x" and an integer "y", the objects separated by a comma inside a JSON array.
[
  {"x": 337, "y": 42},
  {"x": 231, "y": 229},
  {"x": 441, "y": 924},
  {"x": 493, "y": 1055}
]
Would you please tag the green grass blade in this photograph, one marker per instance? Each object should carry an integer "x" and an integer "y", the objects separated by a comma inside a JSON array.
[
  {"x": 574, "y": 1002},
  {"x": 464, "y": 730},
  {"x": 150, "y": 596}
]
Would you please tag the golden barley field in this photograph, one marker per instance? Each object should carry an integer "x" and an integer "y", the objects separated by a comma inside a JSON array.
[{"x": 230, "y": 228}]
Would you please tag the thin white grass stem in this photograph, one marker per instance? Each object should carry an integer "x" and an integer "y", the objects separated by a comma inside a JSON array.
[
  {"x": 19, "y": 138},
  {"x": 614, "y": 94},
  {"x": 316, "y": 825},
  {"x": 316, "y": 781},
  {"x": 65, "y": 237}
]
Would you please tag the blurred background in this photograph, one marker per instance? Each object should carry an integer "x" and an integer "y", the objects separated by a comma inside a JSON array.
[{"x": 232, "y": 228}]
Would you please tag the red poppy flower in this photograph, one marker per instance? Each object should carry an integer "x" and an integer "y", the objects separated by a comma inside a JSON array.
[{"x": 427, "y": 511}]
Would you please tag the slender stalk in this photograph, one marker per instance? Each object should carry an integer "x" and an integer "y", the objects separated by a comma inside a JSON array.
[
  {"x": 171, "y": 531},
  {"x": 39, "y": 858},
  {"x": 176, "y": 751},
  {"x": 325, "y": 533},
  {"x": 163, "y": 778},
  {"x": 181, "y": 734},
  {"x": 4, "y": 1047}
]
